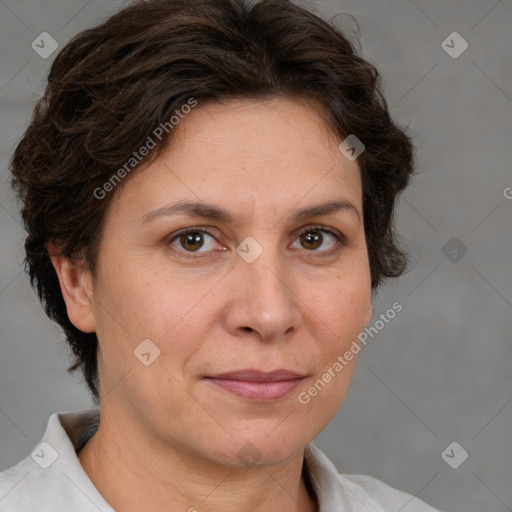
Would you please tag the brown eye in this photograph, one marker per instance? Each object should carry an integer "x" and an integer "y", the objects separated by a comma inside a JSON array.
[
  {"x": 315, "y": 239},
  {"x": 193, "y": 241},
  {"x": 311, "y": 240}
]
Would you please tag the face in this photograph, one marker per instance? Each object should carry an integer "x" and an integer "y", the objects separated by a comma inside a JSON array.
[{"x": 239, "y": 250}]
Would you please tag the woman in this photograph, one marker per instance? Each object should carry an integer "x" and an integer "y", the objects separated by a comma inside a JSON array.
[{"x": 208, "y": 189}]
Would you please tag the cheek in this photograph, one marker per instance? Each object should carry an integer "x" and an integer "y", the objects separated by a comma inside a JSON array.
[
  {"x": 148, "y": 302},
  {"x": 146, "y": 345},
  {"x": 174, "y": 312},
  {"x": 340, "y": 307},
  {"x": 336, "y": 316}
]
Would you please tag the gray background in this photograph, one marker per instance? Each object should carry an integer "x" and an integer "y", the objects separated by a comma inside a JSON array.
[{"x": 441, "y": 370}]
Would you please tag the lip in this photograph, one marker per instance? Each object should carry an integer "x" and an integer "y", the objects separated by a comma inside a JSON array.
[
  {"x": 259, "y": 375},
  {"x": 258, "y": 385}
]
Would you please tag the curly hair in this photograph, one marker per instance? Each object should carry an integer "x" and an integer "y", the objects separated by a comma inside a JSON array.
[{"x": 112, "y": 84}]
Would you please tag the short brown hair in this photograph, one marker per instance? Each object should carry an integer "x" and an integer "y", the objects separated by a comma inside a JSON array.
[{"x": 111, "y": 85}]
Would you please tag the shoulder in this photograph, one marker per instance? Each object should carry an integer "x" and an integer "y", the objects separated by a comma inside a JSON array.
[
  {"x": 14, "y": 494},
  {"x": 338, "y": 491},
  {"x": 51, "y": 477},
  {"x": 389, "y": 498},
  {"x": 28, "y": 483}
]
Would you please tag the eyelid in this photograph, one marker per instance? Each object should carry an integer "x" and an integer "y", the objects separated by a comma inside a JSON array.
[
  {"x": 192, "y": 229},
  {"x": 320, "y": 227}
]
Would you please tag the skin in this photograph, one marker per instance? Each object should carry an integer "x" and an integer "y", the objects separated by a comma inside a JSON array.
[{"x": 168, "y": 438}]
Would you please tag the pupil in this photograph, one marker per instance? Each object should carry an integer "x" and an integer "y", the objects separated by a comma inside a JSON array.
[
  {"x": 313, "y": 239},
  {"x": 192, "y": 241}
]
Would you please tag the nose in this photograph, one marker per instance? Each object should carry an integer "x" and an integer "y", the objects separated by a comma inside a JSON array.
[{"x": 263, "y": 300}]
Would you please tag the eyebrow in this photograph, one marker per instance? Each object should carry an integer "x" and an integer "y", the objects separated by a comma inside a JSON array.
[{"x": 212, "y": 212}]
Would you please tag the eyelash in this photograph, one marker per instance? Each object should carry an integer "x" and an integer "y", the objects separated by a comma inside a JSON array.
[{"x": 340, "y": 239}]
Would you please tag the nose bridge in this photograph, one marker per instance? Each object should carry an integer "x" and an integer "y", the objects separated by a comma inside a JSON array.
[{"x": 269, "y": 304}]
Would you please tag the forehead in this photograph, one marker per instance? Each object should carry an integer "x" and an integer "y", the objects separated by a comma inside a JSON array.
[
  {"x": 249, "y": 131},
  {"x": 264, "y": 152}
]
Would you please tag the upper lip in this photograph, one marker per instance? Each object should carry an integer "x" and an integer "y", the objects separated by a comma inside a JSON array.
[{"x": 259, "y": 376}]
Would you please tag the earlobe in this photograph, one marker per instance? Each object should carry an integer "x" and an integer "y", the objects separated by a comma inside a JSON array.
[{"x": 76, "y": 288}]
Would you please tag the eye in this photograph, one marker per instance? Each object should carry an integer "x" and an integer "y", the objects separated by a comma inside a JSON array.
[
  {"x": 318, "y": 239},
  {"x": 193, "y": 240},
  {"x": 200, "y": 240}
]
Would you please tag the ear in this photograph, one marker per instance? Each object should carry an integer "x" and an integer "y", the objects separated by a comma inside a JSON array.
[{"x": 76, "y": 287}]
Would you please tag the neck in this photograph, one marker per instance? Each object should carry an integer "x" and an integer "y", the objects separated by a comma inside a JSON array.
[{"x": 150, "y": 474}]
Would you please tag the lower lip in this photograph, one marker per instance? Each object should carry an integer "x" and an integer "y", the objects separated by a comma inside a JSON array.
[{"x": 269, "y": 390}]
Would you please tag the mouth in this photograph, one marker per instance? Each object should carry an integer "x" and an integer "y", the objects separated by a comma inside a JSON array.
[{"x": 258, "y": 385}]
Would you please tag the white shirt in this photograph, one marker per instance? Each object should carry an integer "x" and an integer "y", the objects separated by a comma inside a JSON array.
[{"x": 52, "y": 478}]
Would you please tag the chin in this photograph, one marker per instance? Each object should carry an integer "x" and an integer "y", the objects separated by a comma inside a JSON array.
[{"x": 259, "y": 451}]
